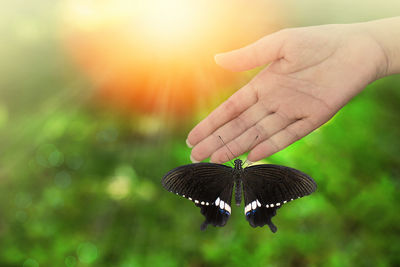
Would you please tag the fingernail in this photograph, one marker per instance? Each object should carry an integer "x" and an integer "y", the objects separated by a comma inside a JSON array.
[
  {"x": 193, "y": 160},
  {"x": 218, "y": 57},
  {"x": 189, "y": 144}
]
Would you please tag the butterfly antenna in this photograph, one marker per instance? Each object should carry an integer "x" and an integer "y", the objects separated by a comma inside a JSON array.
[
  {"x": 227, "y": 148},
  {"x": 229, "y": 160}
]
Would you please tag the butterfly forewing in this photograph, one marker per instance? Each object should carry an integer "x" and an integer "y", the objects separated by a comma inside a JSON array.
[
  {"x": 275, "y": 184},
  {"x": 267, "y": 187},
  {"x": 208, "y": 185}
]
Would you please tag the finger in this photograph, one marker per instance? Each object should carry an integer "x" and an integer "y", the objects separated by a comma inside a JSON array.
[
  {"x": 261, "y": 52},
  {"x": 230, "y": 131},
  {"x": 231, "y": 108},
  {"x": 281, "y": 139},
  {"x": 262, "y": 130}
]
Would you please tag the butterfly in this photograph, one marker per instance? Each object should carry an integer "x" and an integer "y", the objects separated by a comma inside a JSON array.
[{"x": 266, "y": 188}]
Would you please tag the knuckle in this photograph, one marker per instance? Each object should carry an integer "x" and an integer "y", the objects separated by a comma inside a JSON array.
[
  {"x": 274, "y": 145},
  {"x": 284, "y": 116},
  {"x": 293, "y": 134},
  {"x": 240, "y": 123},
  {"x": 199, "y": 153},
  {"x": 270, "y": 106},
  {"x": 260, "y": 130},
  {"x": 231, "y": 107}
]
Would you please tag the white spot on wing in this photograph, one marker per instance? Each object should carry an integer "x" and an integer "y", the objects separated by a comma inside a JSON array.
[
  {"x": 278, "y": 204},
  {"x": 196, "y": 201},
  {"x": 190, "y": 198},
  {"x": 253, "y": 205},
  {"x": 217, "y": 202},
  {"x": 247, "y": 208},
  {"x": 202, "y": 203},
  {"x": 258, "y": 203},
  {"x": 207, "y": 203},
  {"x": 267, "y": 206},
  {"x": 227, "y": 208},
  {"x": 221, "y": 204},
  {"x": 284, "y": 202},
  {"x": 272, "y": 205}
]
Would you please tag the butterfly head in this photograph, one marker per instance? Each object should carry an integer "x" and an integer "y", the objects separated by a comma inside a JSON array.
[{"x": 238, "y": 164}]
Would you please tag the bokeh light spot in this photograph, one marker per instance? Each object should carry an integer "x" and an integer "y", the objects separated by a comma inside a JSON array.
[
  {"x": 145, "y": 190},
  {"x": 87, "y": 252},
  {"x": 119, "y": 187},
  {"x": 148, "y": 125},
  {"x": 126, "y": 170},
  {"x": 74, "y": 162},
  {"x": 23, "y": 200},
  {"x": 55, "y": 126},
  {"x": 62, "y": 179},
  {"x": 53, "y": 196},
  {"x": 56, "y": 158},
  {"x": 30, "y": 263},
  {"x": 107, "y": 135},
  {"x": 21, "y": 216},
  {"x": 48, "y": 155},
  {"x": 70, "y": 261}
]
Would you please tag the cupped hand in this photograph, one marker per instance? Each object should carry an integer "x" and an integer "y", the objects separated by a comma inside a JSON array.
[{"x": 313, "y": 72}]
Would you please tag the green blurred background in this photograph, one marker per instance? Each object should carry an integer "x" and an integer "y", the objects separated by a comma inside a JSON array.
[{"x": 80, "y": 179}]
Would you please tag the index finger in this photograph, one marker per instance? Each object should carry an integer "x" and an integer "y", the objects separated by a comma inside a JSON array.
[{"x": 230, "y": 109}]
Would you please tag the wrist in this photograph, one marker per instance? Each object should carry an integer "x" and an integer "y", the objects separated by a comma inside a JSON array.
[{"x": 386, "y": 34}]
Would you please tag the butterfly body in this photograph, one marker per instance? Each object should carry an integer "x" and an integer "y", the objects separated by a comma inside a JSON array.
[{"x": 265, "y": 188}]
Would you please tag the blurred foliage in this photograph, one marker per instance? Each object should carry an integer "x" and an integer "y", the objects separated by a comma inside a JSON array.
[{"x": 80, "y": 185}]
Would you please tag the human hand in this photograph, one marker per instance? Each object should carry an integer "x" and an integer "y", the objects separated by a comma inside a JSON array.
[{"x": 314, "y": 71}]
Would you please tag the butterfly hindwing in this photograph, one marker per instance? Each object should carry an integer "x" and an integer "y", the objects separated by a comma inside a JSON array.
[
  {"x": 267, "y": 187},
  {"x": 208, "y": 185}
]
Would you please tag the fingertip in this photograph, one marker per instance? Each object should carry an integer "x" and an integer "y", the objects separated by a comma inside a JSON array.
[
  {"x": 192, "y": 159},
  {"x": 254, "y": 157},
  {"x": 217, "y": 57},
  {"x": 233, "y": 60},
  {"x": 230, "y": 61},
  {"x": 249, "y": 162},
  {"x": 220, "y": 59},
  {"x": 219, "y": 159},
  {"x": 188, "y": 143}
]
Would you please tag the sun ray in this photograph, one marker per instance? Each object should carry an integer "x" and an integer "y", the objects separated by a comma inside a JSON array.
[{"x": 156, "y": 56}]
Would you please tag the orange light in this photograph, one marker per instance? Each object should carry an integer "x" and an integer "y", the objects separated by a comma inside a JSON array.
[{"x": 157, "y": 55}]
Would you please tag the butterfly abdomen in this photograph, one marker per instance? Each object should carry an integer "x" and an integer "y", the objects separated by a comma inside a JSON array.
[
  {"x": 237, "y": 177},
  {"x": 238, "y": 191}
]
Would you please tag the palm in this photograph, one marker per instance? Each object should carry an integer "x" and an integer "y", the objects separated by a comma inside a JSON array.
[{"x": 312, "y": 76}]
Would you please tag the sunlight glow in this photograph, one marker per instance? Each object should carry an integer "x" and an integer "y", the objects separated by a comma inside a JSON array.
[
  {"x": 165, "y": 21},
  {"x": 156, "y": 56}
]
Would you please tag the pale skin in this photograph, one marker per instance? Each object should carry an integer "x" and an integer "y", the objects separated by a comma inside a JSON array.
[{"x": 311, "y": 74}]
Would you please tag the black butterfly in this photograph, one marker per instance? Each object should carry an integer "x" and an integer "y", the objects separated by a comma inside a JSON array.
[{"x": 266, "y": 188}]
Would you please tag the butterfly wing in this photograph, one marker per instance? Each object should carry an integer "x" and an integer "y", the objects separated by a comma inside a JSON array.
[
  {"x": 208, "y": 185},
  {"x": 266, "y": 187}
]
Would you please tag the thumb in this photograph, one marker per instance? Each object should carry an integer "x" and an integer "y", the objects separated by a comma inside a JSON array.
[{"x": 261, "y": 52}]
